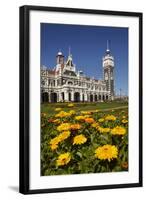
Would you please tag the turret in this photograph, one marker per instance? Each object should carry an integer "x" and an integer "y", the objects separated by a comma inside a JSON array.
[
  {"x": 108, "y": 71},
  {"x": 60, "y": 58}
]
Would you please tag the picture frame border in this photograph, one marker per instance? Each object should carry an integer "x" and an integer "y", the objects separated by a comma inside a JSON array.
[{"x": 24, "y": 18}]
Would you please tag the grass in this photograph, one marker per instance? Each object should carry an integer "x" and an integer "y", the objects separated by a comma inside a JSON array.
[{"x": 105, "y": 106}]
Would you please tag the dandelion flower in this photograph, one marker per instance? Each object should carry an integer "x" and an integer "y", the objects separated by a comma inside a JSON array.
[
  {"x": 95, "y": 125},
  {"x": 63, "y": 127},
  {"x": 72, "y": 112},
  {"x": 54, "y": 143},
  {"x": 79, "y": 118},
  {"x": 85, "y": 112},
  {"x": 110, "y": 118},
  {"x": 64, "y": 135},
  {"x": 118, "y": 130},
  {"x": 62, "y": 114},
  {"x": 79, "y": 139},
  {"x": 63, "y": 159},
  {"x": 106, "y": 152},
  {"x": 103, "y": 130},
  {"x": 75, "y": 126}
]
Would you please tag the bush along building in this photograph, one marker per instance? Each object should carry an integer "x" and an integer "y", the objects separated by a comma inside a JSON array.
[{"x": 65, "y": 84}]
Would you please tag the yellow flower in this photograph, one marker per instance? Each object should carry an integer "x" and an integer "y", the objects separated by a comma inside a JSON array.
[
  {"x": 79, "y": 139},
  {"x": 87, "y": 116},
  {"x": 123, "y": 116},
  {"x": 106, "y": 152},
  {"x": 70, "y": 105},
  {"x": 54, "y": 143},
  {"x": 110, "y": 118},
  {"x": 63, "y": 159},
  {"x": 55, "y": 140},
  {"x": 101, "y": 120},
  {"x": 75, "y": 126},
  {"x": 57, "y": 109},
  {"x": 85, "y": 112},
  {"x": 103, "y": 130},
  {"x": 95, "y": 125},
  {"x": 118, "y": 130},
  {"x": 57, "y": 121},
  {"x": 54, "y": 146},
  {"x": 63, "y": 127},
  {"x": 124, "y": 121},
  {"x": 64, "y": 135},
  {"x": 62, "y": 114},
  {"x": 89, "y": 120},
  {"x": 72, "y": 112},
  {"x": 79, "y": 118}
]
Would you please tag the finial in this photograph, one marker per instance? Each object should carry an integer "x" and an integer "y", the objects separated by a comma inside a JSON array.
[{"x": 108, "y": 48}]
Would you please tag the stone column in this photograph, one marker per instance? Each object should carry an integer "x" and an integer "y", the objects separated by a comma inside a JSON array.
[
  {"x": 72, "y": 96},
  {"x": 101, "y": 97},
  {"x": 59, "y": 97},
  {"x": 85, "y": 97},
  {"x": 93, "y": 97},
  {"x": 81, "y": 96},
  {"x": 66, "y": 96}
]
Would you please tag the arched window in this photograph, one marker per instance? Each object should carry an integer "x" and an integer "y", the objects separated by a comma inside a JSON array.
[
  {"x": 95, "y": 97},
  {"x": 53, "y": 97},
  {"x": 76, "y": 96},
  {"x": 91, "y": 98},
  {"x": 45, "y": 97}
]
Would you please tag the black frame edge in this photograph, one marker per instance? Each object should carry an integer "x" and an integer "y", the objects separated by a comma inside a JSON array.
[
  {"x": 24, "y": 99},
  {"x": 81, "y": 10},
  {"x": 140, "y": 99}
]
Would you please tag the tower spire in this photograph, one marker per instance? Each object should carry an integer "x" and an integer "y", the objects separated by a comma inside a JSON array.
[{"x": 107, "y": 47}]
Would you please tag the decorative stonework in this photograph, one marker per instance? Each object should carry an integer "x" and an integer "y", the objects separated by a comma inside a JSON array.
[{"x": 65, "y": 83}]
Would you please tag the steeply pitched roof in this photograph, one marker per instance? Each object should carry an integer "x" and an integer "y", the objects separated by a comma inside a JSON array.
[{"x": 69, "y": 73}]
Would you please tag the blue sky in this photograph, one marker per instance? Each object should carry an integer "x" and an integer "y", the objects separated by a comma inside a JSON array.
[{"x": 88, "y": 46}]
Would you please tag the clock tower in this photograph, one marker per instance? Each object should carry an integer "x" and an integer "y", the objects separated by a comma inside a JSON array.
[{"x": 108, "y": 71}]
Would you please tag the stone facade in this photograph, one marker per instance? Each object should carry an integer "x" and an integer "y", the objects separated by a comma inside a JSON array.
[{"x": 65, "y": 84}]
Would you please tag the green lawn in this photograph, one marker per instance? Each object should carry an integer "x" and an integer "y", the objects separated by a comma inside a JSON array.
[{"x": 106, "y": 106}]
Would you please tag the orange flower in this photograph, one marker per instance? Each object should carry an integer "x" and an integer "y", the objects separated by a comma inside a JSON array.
[
  {"x": 75, "y": 127},
  {"x": 89, "y": 120}
]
